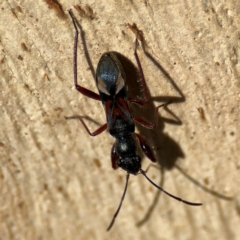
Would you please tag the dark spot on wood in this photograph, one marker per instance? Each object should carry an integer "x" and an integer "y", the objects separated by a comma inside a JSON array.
[
  {"x": 135, "y": 30},
  {"x": 97, "y": 162},
  {"x": 80, "y": 10},
  {"x": 86, "y": 11},
  {"x": 45, "y": 186},
  {"x": 54, "y": 4},
  {"x": 201, "y": 112},
  {"x": 24, "y": 47},
  {"x": 19, "y": 9},
  {"x": 21, "y": 204},
  {"x": 20, "y": 57}
]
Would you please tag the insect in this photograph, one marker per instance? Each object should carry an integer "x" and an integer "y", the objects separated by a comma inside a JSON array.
[{"x": 113, "y": 93}]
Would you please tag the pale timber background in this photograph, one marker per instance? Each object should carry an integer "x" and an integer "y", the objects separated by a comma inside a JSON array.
[{"x": 56, "y": 182}]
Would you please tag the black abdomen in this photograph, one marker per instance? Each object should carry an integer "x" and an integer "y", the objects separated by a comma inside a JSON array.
[{"x": 121, "y": 128}]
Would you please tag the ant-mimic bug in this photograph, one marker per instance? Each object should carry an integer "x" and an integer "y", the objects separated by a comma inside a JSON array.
[{"x": 111, "y": 83}]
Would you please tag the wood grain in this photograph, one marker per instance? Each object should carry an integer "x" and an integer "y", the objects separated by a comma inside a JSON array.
[{"x": 56, "y": 181}]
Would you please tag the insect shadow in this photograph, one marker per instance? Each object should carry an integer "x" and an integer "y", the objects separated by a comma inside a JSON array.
[{"x": 166, "y": 149}]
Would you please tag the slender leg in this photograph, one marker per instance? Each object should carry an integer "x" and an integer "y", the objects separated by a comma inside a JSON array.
[
  {"x": 96, "y": 132},
  {"x": 82, "y": 90},
  {"x": 146, "y": 98},
  {"x": 146, "y": 148},
  {"x": 114, "y": 157},
  {"x": 158, "y": 167},
  {"x": 149, "y": 124}
]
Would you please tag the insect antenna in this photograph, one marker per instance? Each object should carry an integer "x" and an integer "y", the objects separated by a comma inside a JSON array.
[
  {"x": 169, "y": 194},
  {"x": 120, "y": 205}
]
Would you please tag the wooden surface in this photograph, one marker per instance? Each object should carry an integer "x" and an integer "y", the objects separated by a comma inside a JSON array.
[{"x": 56, "y": 181}]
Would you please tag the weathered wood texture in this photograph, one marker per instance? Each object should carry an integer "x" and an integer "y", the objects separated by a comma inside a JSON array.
[{"x": 56, "y": 181}]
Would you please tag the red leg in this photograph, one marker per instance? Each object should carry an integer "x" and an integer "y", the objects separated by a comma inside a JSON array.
[
  {"x": 114, "y": 157},
  {"x": 146, "y": 148},
  {"x": 96, "y": 132},
  {"x": 82, "y": 90},
  {"x": 146, "y": 98},
  {"x": 88, "y": 93},
  {"x": 149, "y": 124}
]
